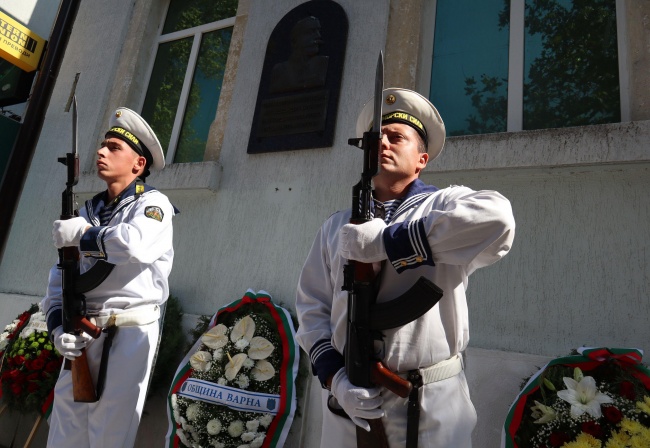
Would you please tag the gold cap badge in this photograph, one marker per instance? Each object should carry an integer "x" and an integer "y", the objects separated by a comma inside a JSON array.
[{"x": 118, "y": 114}]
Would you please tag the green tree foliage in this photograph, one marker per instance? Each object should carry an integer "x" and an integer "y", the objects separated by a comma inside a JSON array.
[
  {"x": 161, "y": 103},
  {"x": 573, "y": 81}
]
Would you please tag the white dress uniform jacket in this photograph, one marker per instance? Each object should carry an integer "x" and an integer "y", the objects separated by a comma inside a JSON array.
[
  {"x": 137, "y": 238},
  {"x": 443, "y": 235}
]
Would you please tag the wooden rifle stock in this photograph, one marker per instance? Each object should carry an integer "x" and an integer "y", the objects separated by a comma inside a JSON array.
[
  {"x": 83, "y": 389},
  {"x": 382, "y": 376}
]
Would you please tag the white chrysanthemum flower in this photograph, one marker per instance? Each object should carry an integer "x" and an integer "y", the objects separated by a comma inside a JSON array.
[
  {"x": 242, "y": 381},
  {"x": 192, "y": 411},
  {"x": 4, "y": 342},
  {"x": 252, "y": 425},
  {"x": 248, "y": 363},
  {"x": 248, "y": 436},
  {"x": 182, "y": 420},
  {"x": 217, "y": 355},
  {"x": 242, "y": 344},
  {"x": 222, "y": 381},
  {"x": 182, "y": 437},
  {"x": 245, "y": 445},
  {"x": 214, "y": 427},
  {"x": 201, "y": 361},
  {"x": 266, "y": 420},
  {"x": 236, "y": 428},
  {"x": 217, "y": 444},
  {"x": 27, "y": 332},
  {"x": 259, "y": 440},
  {"x": 177, "y": 415}
]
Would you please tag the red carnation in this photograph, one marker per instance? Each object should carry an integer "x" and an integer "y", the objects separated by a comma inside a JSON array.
[
  {"x": 627, "y": 390},
  {"x": 16, "y": 389},
  {"x": 32, "y": 387},
  {"x": 44, "y": 354},
  {"x": 37, "y": 364},
  {"x": 11, "y": 375},
  {"x": 53, "y": 366},
  {"x": 612, "y": 414},
  {"x": 592, "y": 428},
  {"x": 19, "y": 360},
  {"x": 559, "y": 438},
  {"x": 33, "y": 376}
]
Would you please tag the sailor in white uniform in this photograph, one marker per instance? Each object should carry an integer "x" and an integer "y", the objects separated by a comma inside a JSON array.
[
  {"x": 418, "y": 230},
  {"x": 129, "y": 225}
]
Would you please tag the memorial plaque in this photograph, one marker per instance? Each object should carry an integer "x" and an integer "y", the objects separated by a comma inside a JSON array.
[{"x": 299, "y": 89}]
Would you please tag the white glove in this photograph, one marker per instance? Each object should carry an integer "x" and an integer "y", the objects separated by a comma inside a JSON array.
[
  {"x": 363, "y": 242},
  {"x": 69, "y": 345},
  {"x": 359, "y": 403},
  {"x": 68, "y": 232}
]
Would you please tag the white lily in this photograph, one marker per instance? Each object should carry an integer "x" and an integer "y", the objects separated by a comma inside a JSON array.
[
  {"x": 583, "y": 396},
  {"x": 542, "y": 413}
]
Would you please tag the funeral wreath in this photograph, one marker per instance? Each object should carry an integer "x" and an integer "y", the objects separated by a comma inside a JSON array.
[
  {"x": 29, "y": 363},
  {"x": 229, "y": 393},
  {"x": 597, "y": 398}
]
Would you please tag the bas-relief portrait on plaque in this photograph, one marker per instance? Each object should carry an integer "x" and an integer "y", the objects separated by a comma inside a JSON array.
[{"x": 301, "y": 78}]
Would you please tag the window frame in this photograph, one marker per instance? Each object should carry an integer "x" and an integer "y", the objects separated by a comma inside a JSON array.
[
  {"x": 196, "y": 33},
  {"x": 516, "y": 59}
]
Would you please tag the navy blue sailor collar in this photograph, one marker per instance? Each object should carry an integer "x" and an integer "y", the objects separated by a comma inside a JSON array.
[
  {"x": 417, "y": 192},
  {"x": 128, "y": 195}
]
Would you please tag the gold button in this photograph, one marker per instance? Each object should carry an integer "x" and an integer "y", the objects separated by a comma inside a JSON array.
[
  {"x": 118, "y": 114},
  {"x": 403, "y": 263},
  {"x": 390, "y": 99},
  {"x": 419, "y": 259}
]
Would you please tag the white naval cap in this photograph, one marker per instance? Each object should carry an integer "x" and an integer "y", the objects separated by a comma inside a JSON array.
[
  {"x": 127, "y": 125},
  {"x": 409, "y": 107}
]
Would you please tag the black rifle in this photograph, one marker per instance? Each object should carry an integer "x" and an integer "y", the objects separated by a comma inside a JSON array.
[
  {"x": 74, "y": 303},
  {"x": 366, "y": 319}
]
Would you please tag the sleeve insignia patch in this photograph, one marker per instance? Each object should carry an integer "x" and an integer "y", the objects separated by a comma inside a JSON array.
[{"x": 154, "y": 213}]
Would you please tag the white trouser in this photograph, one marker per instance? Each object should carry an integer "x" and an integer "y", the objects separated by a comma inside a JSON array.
[
  {"x": 447, "y": 418},
  {"x": 113, "y": 421}
]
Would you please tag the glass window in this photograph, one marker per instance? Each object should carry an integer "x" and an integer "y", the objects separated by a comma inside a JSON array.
[
  {"x": 568, "y": 59},
  {"x": 469, "y": 74},
  {"x": 570, "y": 64},
  {"x": 187, "y": 74}
]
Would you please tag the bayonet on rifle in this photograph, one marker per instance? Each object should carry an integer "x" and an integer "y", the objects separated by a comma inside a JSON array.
[
  {"x": 74, "y": 304},
  {"x": 366, "y": 319}
]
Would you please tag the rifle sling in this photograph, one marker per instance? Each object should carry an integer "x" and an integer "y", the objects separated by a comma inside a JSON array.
[
  {"x": 413, "y": 410},
  {"x": 110, "y": 331},
  {"x": 415, "y": 302},
  {"x": 93, "y": 277}
]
